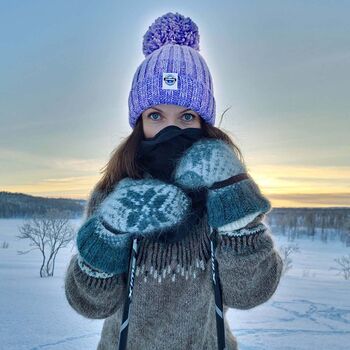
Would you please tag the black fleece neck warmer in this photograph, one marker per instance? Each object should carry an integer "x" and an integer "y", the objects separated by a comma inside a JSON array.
[{"x": 159, "y": 154}]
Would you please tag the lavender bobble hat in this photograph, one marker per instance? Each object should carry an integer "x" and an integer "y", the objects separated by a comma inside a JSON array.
[{"x": 173, "y": 72}]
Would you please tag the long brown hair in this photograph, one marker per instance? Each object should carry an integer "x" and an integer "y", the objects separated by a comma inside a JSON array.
[{"x": 123, "y": 163}]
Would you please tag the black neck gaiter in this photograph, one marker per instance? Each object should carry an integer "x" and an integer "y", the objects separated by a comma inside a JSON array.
[{"x": 158, "y": 155}]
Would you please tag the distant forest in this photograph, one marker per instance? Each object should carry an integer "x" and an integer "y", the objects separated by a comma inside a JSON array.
[
  {"x": 323, "y": 223},
  {"x": 20, "y": 205}
]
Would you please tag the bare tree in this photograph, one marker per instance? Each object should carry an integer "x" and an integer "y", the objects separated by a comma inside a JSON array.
[
  {"x": 344, "y": 266},
  {"x": 49, "y": 234},
  {"x": 5, "y": 245},
  {"x": 292, "y": 223},
  {"x": 310, "y": 222},
  {"x": 286, "y": 252},
  {"x": 345, "y": 234}
]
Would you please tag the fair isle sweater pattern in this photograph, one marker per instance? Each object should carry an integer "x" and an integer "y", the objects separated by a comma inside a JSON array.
[
  {"x": 190, "y": 255},
  {"x": 185, "y": 258}
]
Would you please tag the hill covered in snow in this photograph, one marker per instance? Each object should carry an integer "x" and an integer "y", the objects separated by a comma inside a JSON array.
[{"x": 20, "y": 205}]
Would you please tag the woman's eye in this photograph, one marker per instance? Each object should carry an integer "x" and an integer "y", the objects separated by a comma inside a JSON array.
[
  {"x": 188, "y": 119},
  {"x": 154, "y": 113}
]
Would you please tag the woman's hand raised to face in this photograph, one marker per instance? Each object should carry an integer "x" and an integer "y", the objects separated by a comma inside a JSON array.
[
  {"x": 233, "y": 197},
  {"x": 143, "y": 207},
  {"x": 135, "y": 208}
]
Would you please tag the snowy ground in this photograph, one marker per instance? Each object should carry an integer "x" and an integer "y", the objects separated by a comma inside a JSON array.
[{"x": 310, "y": 309}]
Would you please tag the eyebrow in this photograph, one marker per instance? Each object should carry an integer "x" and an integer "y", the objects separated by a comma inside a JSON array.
[{"x": 159, "y": 110}]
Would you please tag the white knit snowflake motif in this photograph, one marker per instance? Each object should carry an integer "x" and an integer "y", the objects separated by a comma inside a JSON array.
[
  {"x": 206, "y": 162},
  {"x": 145, "y": 207}
]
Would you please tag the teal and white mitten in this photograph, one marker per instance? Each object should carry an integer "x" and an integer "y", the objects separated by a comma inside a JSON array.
[
  {"x": 233, "y": 197},
  {"x": 135, "y": 208}
]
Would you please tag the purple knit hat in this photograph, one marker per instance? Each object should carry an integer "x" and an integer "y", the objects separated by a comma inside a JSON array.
[{"x": 173, "y": 72}]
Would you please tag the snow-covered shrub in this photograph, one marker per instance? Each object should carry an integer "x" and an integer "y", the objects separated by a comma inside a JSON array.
[
  {"x": 5, "y": 245},
  {"x": 285, "y": 252},
  {"x": 343, "y": 267}
]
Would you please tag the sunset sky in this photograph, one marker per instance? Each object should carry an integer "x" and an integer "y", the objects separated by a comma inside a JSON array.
[{"x": 282, "y": 66}]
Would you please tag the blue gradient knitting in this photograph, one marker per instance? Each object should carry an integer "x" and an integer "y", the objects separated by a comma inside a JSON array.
[
  {"x": 237, "y": 200},
  {"x": 101, "y": 248}
]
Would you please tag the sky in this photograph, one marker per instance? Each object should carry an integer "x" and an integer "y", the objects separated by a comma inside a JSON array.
[{"x": 282, "y": 69}]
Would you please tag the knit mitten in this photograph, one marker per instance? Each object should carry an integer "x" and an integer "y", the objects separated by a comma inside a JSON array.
[
  {"x": 232, "y": 195},
  {"x": 135, "y": 208}
]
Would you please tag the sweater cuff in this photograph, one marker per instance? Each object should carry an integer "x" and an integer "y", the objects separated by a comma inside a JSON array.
[
  {"x": 86, "y": 280},
  {"x": 236, "y": 204},
  {"x": 91, "y": 271},
  {"x": 102, "y": 249},
  {"x": 246, "y": 240}
]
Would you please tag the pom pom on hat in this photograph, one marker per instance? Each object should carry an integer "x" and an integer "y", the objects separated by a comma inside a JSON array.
[{"x": 173, "y": 29}]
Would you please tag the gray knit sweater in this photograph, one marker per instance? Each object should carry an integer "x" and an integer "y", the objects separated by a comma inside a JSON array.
[{"x": 173, "y": 303}]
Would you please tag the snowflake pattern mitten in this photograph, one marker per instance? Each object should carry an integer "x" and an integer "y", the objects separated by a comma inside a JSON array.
[
  {"x": 233, "y": 196},
  {"x": 144, "y": 207},
  {"x": 135, "y": 208}
]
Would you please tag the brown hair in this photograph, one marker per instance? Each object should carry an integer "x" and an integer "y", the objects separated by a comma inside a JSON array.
[{"x": 122, "y": 162}]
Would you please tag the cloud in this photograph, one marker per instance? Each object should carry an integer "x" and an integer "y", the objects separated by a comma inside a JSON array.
[
  {"x": 66, "y": 187},
  {"x": 76, "y": 164},
  {"x": 311, "y": 199},
  {"x": 299, "y": 185},
  {"x": 300, "y": 178},
  {"x": 32, "y": 160}
]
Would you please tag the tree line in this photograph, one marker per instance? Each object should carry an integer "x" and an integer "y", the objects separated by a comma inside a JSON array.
[
  {"x": 20, "y": 205},
  {"x": 322, "y": 223}
]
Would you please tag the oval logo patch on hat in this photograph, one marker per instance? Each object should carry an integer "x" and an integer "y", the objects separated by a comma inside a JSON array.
[{"x": 170, "y": 81}]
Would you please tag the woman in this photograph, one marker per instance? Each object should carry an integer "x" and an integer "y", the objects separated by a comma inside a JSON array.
[{"x": 172, "y": 184}]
